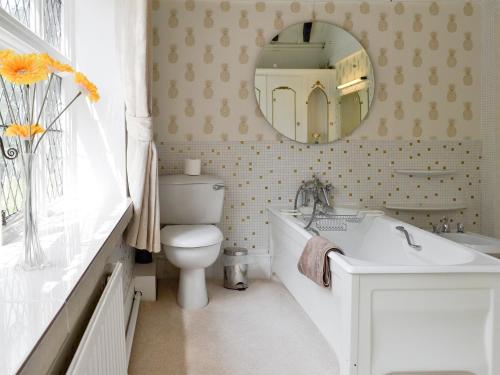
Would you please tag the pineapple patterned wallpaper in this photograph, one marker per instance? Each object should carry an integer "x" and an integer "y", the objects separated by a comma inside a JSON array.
[
  {"x": 425, "y": 114},
  {"x": 425, "y": 57}
]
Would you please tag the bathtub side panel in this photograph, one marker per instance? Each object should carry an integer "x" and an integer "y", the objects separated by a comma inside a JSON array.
[
  {"x": 434, "y": 322},
  {"x": 330, "y": 309}
]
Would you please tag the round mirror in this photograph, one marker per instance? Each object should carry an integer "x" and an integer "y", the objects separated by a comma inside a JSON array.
[{"x": 314, "y": 82}]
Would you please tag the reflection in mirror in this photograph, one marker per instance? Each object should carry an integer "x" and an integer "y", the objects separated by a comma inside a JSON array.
[
  {"x": 314, "y": 82},
  {"x": 317, "y": 115}
]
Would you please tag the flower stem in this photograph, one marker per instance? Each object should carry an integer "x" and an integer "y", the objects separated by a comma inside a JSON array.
[
  {"x": 44, "y": 99},
  {"x": 33, "y": 104},
  {"x": 54, "y": 121},
  {"x": 26, "y": 102},
  {"x": 32, "y": 113}
]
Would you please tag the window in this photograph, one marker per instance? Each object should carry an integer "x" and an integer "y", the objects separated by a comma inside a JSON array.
[
  {"x": 52, "y": 22},
  {"x": 43, "y": 32},
  {"x": 19, "y": 9},
  {"x": 43, "y": 17},
  {"x": 54, "y": 143}
]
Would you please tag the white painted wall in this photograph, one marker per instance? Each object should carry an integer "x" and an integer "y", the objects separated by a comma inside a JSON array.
[
  {"x": 339, "y": 44},
  {"x": 296, "y": 55},
  {"x": 292, "y": 57},
  {"x": 99, "y": 129},
  {"x": 98, "y": 134},
  {"x": 344, "y": 45}
]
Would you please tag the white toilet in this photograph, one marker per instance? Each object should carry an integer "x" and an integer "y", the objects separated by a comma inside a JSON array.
[{"x": 190, "y": 205}]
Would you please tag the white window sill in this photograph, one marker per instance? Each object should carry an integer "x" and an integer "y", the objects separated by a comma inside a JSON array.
[
  {"x": 12, "y": 233},
  {"x": 30, "y": 300}
]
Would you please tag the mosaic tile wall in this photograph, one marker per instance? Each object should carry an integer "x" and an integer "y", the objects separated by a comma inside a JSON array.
[
  {"x": 425, "y": 55},
  {"x": 259, "y": 174}
]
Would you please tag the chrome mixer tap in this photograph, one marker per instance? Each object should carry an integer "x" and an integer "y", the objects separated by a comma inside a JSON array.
[{"x": 316, "y": 191}]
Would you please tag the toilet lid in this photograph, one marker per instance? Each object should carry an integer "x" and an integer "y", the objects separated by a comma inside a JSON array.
[{"x": 190, "y": 235}]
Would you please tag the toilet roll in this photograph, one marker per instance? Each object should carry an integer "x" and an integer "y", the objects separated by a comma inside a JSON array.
[{"x": 192, "y": 167}]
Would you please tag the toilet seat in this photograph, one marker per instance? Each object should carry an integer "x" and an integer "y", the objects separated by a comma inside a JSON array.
[{"x": 190, "y": 236}]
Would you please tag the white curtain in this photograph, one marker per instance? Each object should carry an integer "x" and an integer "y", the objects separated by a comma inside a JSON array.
[{"x": 143, "y": 231}]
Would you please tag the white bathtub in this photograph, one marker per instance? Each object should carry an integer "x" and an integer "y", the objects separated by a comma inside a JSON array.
[{"x": 392, "y": 309}]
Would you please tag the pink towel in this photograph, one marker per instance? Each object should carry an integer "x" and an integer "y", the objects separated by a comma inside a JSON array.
[{"x": 313, "y": 262}]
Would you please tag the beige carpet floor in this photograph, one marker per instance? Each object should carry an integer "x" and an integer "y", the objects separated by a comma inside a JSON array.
[{"x": 260, "y": 331}]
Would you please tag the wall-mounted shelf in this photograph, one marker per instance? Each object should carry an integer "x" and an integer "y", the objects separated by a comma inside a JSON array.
[
  {"x": 426, "y": 206},
  {"x": 425, "y": 172}
]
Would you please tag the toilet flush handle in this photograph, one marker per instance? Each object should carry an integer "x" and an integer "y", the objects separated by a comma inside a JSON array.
[{"x": 218, "y": 186}]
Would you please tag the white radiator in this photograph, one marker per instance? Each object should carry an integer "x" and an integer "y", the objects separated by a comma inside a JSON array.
[{"x": 102, "y": 348}]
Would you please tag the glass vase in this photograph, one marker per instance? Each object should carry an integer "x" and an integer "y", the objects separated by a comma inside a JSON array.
[{"x": 31, "y": 175}]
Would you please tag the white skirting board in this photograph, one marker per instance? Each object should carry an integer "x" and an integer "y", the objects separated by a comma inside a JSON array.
[
  {"x": 132, "y": 322},
  {"x": 259, "y": 266}
]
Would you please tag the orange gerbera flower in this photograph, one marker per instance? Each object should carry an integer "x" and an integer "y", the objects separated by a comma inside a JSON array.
[
  {"x": 23, "y": 131},
  {"x": 87, "y": 87},
  {"x": 5, "y": 53},
  {"x": 23, "y": 69},
  {"x": 55, "y": 66}
]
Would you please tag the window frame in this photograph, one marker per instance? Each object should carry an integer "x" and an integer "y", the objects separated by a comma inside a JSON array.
[
  {"x": 16, "y": 36},
  {"x": 22, "y": 39}
]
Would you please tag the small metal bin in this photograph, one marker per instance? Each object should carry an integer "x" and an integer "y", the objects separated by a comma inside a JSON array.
[{"x": 235, "y": 268}]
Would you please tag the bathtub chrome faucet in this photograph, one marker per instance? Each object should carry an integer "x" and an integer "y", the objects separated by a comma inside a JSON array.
[
  {"x": 444, "y": 227},
  {"x": 316, "y": 191}
]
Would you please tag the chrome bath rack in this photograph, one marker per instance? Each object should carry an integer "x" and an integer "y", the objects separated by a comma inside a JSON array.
[{"x": 330, "y": 222}]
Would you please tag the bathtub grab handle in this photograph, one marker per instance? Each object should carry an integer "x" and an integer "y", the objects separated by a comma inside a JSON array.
[{"x": 408, "y": 239}]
